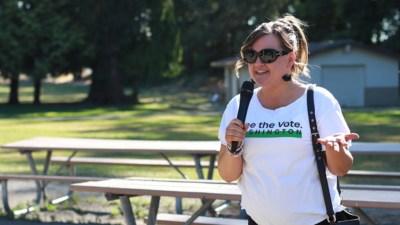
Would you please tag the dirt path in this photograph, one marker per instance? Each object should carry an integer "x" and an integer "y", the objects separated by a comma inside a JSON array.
[{"x": 4, "y": 221}]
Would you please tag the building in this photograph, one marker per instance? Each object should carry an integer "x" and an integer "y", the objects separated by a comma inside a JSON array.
[{"x": 356, "y": 74}]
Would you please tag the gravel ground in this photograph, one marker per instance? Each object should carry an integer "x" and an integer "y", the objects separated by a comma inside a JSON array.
[{"x": 92, "y": 209}]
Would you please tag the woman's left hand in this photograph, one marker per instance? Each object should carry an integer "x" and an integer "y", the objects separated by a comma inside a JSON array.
[
  {"x": 337, "y": 142},
  {"x": 339, "y": 160}
]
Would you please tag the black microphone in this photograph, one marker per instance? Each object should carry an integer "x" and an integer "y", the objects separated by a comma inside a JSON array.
[{"x": 246, "y": 92}]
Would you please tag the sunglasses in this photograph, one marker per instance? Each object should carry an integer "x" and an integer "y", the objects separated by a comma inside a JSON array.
[{"x": 266, "y": 55}]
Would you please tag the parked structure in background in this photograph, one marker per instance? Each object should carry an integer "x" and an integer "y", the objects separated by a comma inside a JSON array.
[{"x": 356, "y": 74}]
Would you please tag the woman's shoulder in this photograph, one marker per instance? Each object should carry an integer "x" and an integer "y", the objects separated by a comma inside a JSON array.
[
  {"x": 324, "y": 100},
  {"x": 323, "y": 94}
]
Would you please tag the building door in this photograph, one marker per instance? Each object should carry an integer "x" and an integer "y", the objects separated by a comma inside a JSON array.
[{"x": 346, "y": 83}]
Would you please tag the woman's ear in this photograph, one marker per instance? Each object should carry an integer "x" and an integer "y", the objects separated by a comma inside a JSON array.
[{"x": 292, "y": 60}]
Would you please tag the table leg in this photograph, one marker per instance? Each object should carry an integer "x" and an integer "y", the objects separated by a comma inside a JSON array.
[
  {"x": 67, "y": 164},
  {"x": 127, "y": 210},
  {"x": 207, "y": 204},
  {"x": 6, "y": 206},
  {"x": 178, "y": 205},
  {"x": 178, "y": 201},
  {"x": 200, "y": 174},
  {"x": 173, "y": 166},
  {"x": 45, "y": 172},
  {"x": 32, "y": 164},
  {"x": 199, "y": 168},
  {"x": 363, "y": 216},
  {"x": 153, "y": 210},
  {"x": 211, "y": 167}
]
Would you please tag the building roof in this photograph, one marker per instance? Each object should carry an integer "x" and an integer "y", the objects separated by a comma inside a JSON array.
[{"x": 316, "y": 48}]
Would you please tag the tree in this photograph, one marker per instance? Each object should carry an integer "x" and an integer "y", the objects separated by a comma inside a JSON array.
[
  {"x": 133, "y": 41},
  {"x": 158, "y": 52},
  {"x": 215, "y": 29},
  {"x": 55, "y": 43},
  {"x": 12, "y": 52},
  {"x": 367, "y": 21},
  {"x": 37, "y": 39}
]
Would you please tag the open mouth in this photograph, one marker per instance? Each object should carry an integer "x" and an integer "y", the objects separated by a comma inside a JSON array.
[{"x": 261, "y": 72}]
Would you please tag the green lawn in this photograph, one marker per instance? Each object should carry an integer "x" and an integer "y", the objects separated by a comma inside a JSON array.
[{"x": 158, "y": 117}]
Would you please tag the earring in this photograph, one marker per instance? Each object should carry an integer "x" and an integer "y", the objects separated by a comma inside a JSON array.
[{"x": 287, "y": 77}]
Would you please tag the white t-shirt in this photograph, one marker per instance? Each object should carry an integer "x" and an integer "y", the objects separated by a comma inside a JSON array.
[{"x": 279, "y": 182}]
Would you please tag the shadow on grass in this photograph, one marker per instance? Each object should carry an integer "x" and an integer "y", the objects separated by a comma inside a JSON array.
[{"x": 7, "y": 111}]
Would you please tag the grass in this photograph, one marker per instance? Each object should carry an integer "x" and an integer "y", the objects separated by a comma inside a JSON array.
[{"x": 375, "y": 124}]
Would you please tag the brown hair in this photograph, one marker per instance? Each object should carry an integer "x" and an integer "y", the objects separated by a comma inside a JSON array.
[{"x": 289, "y": 31}]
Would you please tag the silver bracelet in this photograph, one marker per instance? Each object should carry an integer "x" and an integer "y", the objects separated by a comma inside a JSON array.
[{"x": 238, "y": 151}]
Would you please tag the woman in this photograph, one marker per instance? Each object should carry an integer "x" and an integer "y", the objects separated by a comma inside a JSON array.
[{"x": 276, "y": 165}]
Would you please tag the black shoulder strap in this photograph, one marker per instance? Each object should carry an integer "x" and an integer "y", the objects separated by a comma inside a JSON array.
[{"x": 318, "y": 153}]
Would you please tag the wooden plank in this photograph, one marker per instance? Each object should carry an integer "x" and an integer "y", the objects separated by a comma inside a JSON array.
[
  {"x": 83, "y": 144},
  {"x": 178, "y": 219},
  {"x": 124, "y": 162},
  {"x": 370, "y": 187},
  {"x": 352, "y": 197},
  {"x": 379, "y": 148},
  {"x": 198, "y": 147},
  {"x": 162, "y": 188},
  {"x": 84, "y": 179},
  {"x": 371, "y": 198},
  {"x": 375, "y": 174}
]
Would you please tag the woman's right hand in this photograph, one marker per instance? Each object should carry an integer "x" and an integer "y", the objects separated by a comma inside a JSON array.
[
  {"x": 229, "y": 166},
  {"x": 236, "y": 131}
]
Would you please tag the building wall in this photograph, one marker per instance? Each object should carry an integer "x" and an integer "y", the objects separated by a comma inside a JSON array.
[
  {"x": 380, "y": 73},
  {"x": 232, "y": 82}
]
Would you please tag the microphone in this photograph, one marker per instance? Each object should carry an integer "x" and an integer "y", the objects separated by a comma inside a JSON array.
[{"x": 246, "y": 92}]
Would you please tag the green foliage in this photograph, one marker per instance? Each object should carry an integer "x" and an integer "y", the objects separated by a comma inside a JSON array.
[
  {"x": 363, "y": 21},
  {"x": 12, "y": 38},
  {"x": 214, "y": 29}
]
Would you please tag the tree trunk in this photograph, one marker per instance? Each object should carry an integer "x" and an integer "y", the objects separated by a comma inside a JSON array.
[
  {"x": 135, "y": 92},
  {"x": 106, "y": 87},
  {"x": 37, "y": 86},
  {"x": 14, "y": 86}
]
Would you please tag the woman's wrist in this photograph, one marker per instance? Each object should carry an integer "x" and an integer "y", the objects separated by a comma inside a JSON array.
[{"x": 235, "y": 152}]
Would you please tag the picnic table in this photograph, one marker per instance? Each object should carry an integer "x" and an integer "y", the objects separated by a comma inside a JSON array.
[
  {"x": 197, "y": 149},
  {"x": 356, "y": 196}
]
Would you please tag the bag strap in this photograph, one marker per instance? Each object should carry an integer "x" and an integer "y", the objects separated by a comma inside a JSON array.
[{"x": 319, "y": 154}]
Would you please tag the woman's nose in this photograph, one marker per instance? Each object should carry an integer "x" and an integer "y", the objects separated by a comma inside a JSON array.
[{"x": 258, "y": 61}]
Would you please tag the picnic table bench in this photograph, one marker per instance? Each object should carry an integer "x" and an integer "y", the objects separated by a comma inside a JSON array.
[{"x": 356, "y": 196}]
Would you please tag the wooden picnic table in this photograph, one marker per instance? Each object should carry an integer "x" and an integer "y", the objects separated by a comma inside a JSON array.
[
  {"x": 354, "y": 196},
  {"x": 197, "y": 149}
]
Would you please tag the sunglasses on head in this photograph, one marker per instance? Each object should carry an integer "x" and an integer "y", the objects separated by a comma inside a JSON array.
[{"x": 266, "y": 55}]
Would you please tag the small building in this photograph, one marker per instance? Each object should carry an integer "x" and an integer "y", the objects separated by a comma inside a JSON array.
[{"x": 356, "y": 74}]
